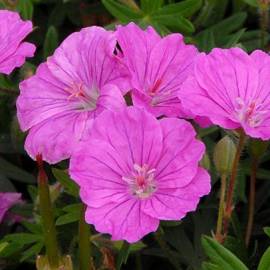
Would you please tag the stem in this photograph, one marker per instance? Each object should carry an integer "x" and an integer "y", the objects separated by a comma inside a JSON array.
[
  {"x": 264, "y": 21},
  {"x": 47, "y": 216},
  {"x": 252, "y": 194},
  {"x": 229, "y": 201},
  {"x": 165, "y": 248},
  {"x": 84, "y": 242},
  {"x": 221, "y": 208}
]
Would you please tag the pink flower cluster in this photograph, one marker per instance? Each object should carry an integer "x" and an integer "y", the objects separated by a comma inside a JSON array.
[{"x": 139, "y": 164}]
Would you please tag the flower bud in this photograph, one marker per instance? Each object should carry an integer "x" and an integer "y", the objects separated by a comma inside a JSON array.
[
  {"x": 43, "y": 264},
  {"x": 205, "y": 162},
  {"x": 224, "y": 154}
]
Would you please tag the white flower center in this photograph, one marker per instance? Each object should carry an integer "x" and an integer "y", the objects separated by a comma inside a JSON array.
[
  {"x": 84, "y": 98},
  {"x": 141, "y": 181},
  {"x": 250, "y": 112}
]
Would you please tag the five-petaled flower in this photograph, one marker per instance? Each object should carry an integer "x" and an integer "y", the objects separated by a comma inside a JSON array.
[
  {"x": 12, "y": 50},
  {"x": 58, "y": 104},
  {"x": 134, "y": 170},
  {"x": 231, "y": 88}
]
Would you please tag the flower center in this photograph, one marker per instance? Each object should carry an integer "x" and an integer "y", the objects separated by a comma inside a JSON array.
[
  {"x": 82, "y": 97},
  {"x": 250, "y": 112},
  {"x": 141, "y": 181}
]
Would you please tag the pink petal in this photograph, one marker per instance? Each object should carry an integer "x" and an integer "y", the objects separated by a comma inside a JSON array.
[
  {"x": 12, "y": 32},
  {"x": 56, "y": 138},
  {"x": 174, "y": 204},
  {"x": 123, "y": 220},
  {"x": 133, "y": 132},
  {"x": 7, "y": 200},
  {"x": 181, "y": 154}
]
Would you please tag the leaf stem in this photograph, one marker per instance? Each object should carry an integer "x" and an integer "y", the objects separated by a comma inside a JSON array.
[
  {"x": 251, "y": 202},
  {"x": 84, "y": 242},
  {"x": 230, "y": 193},
  {"x": 221, "y": 208},
  {"x": 46, "y": 212}
]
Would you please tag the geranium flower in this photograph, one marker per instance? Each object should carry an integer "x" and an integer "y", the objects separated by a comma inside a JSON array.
[
  {"x": 58, "y": 104},
  {"x": 158, "y": 67},
  {"x": 12, "y": 50},
  {"x": 135, "y": 170},
  {"x": 7, "y": 200},
  {"x": 231, "y": 88}
]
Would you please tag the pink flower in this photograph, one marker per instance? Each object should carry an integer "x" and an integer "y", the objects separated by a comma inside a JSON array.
[
  {"x": 158, "y": 67},
  {"x": 135, "y": 170},
  {"x": 7, "y": 200},
  {"x": 76, "y": 84},
  {"x": 12, "y": 50},
  {"x": 231, "y": 88}
]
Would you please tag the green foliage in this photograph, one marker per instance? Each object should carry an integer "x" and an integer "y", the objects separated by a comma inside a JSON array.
[{"x": 204, "y": 23}]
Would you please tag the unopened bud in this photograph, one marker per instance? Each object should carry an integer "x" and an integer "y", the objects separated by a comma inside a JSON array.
[
  {"x": 205, "y": 162},
  {"x": 224, "y": 154}
]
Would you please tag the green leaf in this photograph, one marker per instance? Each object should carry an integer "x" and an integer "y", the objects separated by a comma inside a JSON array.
[
  {"x": 123, "y": 255},
  {"x": 51, "y": 41},
  {"x": 230, "y": 24},
  {"x": 67, "y": 218},
  {"x": 149, "y": 6},
  {"x": 210, "y": 266},
  {"x": 253, "y": 3},
  {"x": 221, "y": 256},
  {"x": 69, "y": 185},
  {"x": 184, "y": 8},
  {"x": 264, "y": 263},
  {"x": 32, "y": 251},
  {"x": 234, "y": 38},
  {"x": 3, "y": 245},
  {"x": 23, "y": 238},
  {"x": 177, "y": 24},
  {"x": 206, "y": 41},
  {"x": 14, "y": 172},
  {"x": 133, "y": 247},
  {"x": 267, "y": 231},
  {"x": 26, "y": 8},
  {"x": 123, "y": 13}
]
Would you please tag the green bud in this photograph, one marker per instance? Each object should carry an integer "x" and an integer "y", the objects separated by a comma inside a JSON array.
[
  {"x": 205, "y": 162},
  {"x": 224, "y": 154},
  {"x": 258, "y": 147}
]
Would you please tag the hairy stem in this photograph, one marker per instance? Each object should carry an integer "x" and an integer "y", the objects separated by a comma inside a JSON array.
[
  {"x": 264, "y": 20},
  {"x": 46, "y": 212},
  {"x": 221, "y": 208},
  {"x": 231, "y": 187},
  {"x": 84, "y": 242},
  {"x": 251, "y": 202}
]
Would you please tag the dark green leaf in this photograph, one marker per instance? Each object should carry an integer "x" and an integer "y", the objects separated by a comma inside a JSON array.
[
  {"x": 23, "y": 238},
  {"x": 26, "y": 8},
  {"x": 221, "y": 256},
  {"x": 14, "y": 172},
  {"x": 123, "y": 255},
  {"x": 51, "y": 41},
  {"x": 123, "y": 13},
  {"x": 69, "y": 185},
  {"x": 253, "y": 3},
  {"x": 234, "y": 38},
  {"x": 267, "y": 231},
  {"x": 184, "y": 8},
  {"x": 149, "y": 6},
  {"x": 264, "y": 263},
  {"x": 32, "y": 251}
]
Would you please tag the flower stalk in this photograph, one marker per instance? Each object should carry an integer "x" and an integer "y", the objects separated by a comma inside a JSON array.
[
  {"x": 251, "y": 201},
  {"x": 221, "y": 208},
  {"x": 84, "y": 242},
  {"x": 232, "y": 182},
  {"x": 46, "y": 212}
]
